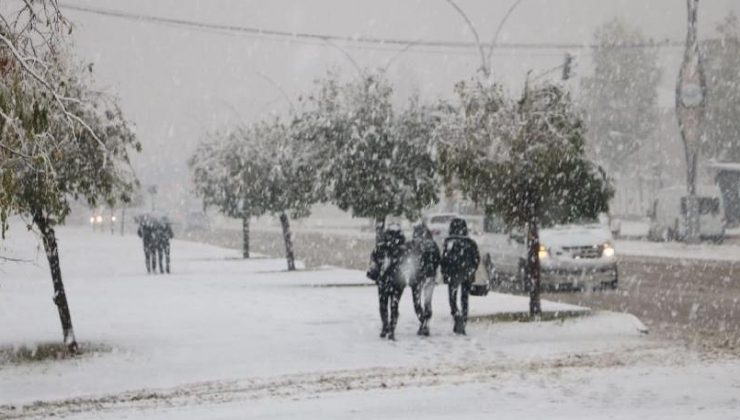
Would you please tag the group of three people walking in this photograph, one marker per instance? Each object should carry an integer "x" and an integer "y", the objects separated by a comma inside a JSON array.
[{"x": 394, "y": 263}]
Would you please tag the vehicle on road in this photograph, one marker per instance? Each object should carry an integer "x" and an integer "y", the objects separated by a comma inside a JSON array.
[
  {"x": 572, "y": 257},
  {"x": 197, "y": 221},
  {"x": 668, "y": 220},
  {"x": 439, "y": 225},
  {"x": 102, "y": 220}
]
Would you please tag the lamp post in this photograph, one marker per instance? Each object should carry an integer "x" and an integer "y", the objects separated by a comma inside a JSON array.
[
  {"x": 690, "y": 107},
  {"x": 152, "y": 190}
]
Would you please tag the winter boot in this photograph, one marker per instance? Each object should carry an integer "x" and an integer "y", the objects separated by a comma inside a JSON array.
[
  {"x": 384, "y": 331},
  {"x": 425, "y": 328},
  {"x": 461, "y": 328},
  {"x": 458, "y": 324},
  {"x": 392, "y": 335},
  {"x": 421, "y": 329}
]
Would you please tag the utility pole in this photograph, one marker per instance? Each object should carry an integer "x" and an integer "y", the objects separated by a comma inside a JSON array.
[
  {"x": 567, "y": 66},
  {"x": 690, "y": 112}
]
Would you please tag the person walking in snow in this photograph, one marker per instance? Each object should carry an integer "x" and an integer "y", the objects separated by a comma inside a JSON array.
[
  {"x": 460, "y": 259},
  {"x": 146, "y": 233},
  {"x": 424, "y": 258},
  {"x": 161, "y": 243},
  {"x": 385, "y": 270}
]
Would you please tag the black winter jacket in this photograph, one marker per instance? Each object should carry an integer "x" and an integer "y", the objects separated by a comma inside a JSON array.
[
  {"x": 387, "y": 258},
  {"x": 460, "y": 259}
]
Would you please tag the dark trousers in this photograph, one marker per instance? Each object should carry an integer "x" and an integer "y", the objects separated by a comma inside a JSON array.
[
  {"x": 167, "y": 258},
  {"x": 464, "y": 287},
  {"x": 149, "y": 258},
  {"x": 389, "y": 296},
  {"x": 153, "y": 259},
  {"x": 421, "y": 291},
  {"x": 159, "y": 252}
]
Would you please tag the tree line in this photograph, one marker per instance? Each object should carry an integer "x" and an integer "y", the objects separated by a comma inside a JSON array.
[{"x": 520, "y": 158}]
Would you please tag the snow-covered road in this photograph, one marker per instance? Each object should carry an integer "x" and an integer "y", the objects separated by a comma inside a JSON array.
[{"x": 227, "y": 338}]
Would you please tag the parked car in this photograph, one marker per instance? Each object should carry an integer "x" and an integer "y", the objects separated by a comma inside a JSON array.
[
  {"x": 439, "y": 225},
  {"x": 572, "y": 257},
  {"x": 667, "y": 216},
  {"x": 197, "y": 221}
]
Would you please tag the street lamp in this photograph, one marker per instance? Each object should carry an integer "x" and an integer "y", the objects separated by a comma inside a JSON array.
[
  {"x": 152, "y": 190},
  {"x": 690, "y": 112}
]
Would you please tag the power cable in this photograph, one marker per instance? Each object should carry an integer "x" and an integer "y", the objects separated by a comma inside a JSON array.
[{"x": 351, "y": 41}]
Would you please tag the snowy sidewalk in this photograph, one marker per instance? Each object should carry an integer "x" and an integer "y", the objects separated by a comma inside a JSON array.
[{"x": 220, "y": 326}]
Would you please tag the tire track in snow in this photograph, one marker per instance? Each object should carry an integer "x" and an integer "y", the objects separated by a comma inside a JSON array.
[{"x": 312, "y": 384}]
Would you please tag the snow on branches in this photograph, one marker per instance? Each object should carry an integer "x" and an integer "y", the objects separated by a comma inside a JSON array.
[
  {"x": 522, "y": 159},
  {"x": 374, "y": 161}
]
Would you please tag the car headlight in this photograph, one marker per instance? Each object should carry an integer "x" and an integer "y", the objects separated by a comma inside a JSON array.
[
  {"x": 543, "y": 252},
  {"x": 607, "y": 250},
  {"x": 99, "y": 219},
  {"x": 113, "y": 218},
  {"x": 92, "y": 220}
]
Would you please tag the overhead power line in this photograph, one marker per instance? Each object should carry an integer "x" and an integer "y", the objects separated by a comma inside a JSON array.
[{"x": 353, "y": 41}]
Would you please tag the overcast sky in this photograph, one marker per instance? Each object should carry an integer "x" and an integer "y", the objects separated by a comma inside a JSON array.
[{"x": 176, "y": 83}]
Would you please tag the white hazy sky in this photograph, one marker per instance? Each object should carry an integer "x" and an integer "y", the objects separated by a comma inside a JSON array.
[{"x": 176, "y": 83}]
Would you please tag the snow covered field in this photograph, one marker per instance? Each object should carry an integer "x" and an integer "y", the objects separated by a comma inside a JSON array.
[{"x": 227, "y": 338}]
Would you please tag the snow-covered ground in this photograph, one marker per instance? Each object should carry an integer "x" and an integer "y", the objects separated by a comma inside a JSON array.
[
  {"x": 679, "y": 250},
  {"x": 226, "y": 338}
]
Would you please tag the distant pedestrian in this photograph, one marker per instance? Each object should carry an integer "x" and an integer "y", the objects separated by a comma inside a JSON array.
[
  {"x": 146, "y": 233},
  {"x": 161, "y": 243},
  {"x": 424, "y": 258},
  {"x": 460, "y": 259},
  {"x": 385, "y": 270}
]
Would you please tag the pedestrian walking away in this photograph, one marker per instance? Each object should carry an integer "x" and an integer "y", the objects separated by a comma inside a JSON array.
[
  {"x": 385, "y": 270},
  {"x": 424, "y": 259},
  {"x": 146, "y": 233},
  {"x": 162, "y": 236},
  {"x": 460, "y": 259}
]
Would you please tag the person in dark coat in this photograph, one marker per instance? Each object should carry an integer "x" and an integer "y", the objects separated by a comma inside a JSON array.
[
  {"x": 162, "y": 234},
  {"x": 146, "y": 233},
  {"x": 424, "y": 258},
  {"x": 385, "y": 270},
  {"x": 460, "y": 259}
]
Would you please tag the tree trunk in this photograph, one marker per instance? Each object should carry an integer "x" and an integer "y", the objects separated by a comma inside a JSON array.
[
  {"x": 288, "y": 237},
  {"x": 245, "y": 236},
  {"x": 379, "y": 228},
  {"x": 123, "y": 220},
  {"x": 60, "y": 298},
  {"x": 729, "y": 184},
  {"x": 533, "y": 269}
]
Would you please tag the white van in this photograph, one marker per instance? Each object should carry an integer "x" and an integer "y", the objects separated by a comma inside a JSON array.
[{"x": 667, "y": 221}]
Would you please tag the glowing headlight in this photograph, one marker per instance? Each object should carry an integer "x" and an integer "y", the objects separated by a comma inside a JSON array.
[
  {"x": 113, "y": 218},
  {"x": 99, "y": 219},
  {"x": 92, "y": 219},
  {"x": 543, "y": 252},
  {"x": 608, "y": 250}
]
